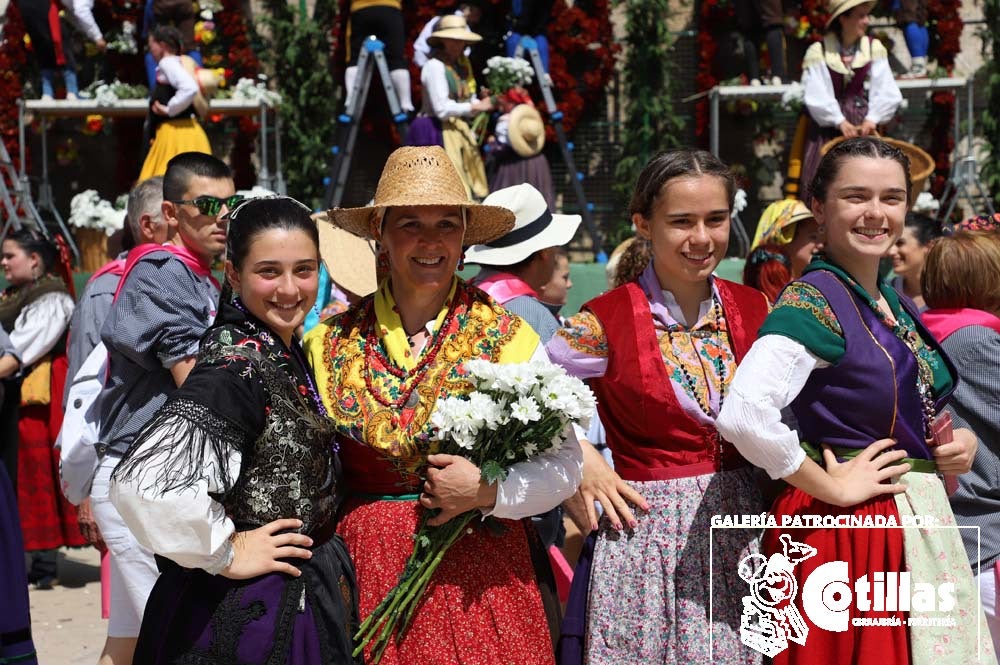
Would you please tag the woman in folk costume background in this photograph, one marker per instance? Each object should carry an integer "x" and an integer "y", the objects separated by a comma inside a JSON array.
[
  {"x": 787, "y": 237},
  {"x": 234, "y": 480},
  {"x": 175, "y": 104},
  {"x": 660, "y": 352},
  {"x": 381, "y": 367},
  {"x": 862, "y": 376},
  {"x": 516, "y": 147},
  {"x": 36, "y": 309},
  {"x": 834, "y": 73},
  {"x": 449, "y": 96},
  {"x": 961, "y": 286}
]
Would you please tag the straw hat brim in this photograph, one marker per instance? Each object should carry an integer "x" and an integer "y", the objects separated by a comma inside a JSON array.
[
  {"x": 461, "y": 34},
  {"x": 520, "y": 144},
  {"x": 846, "y": 7},
  {"x": 558, "y": 233},
  {"x": 483, "y": 223},
  {"x": 350, "y": 260},
  {"x": 921, "y": 163}
]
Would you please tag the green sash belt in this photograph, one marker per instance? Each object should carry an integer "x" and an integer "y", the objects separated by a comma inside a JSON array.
[
  {"x": 386, "y": 497},
  {"x": 816, "y": 455}
]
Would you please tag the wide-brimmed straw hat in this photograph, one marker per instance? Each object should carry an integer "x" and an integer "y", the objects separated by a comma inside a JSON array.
[
  {"x": 838, "y": 7},
  {"x": 350, "y": 260},
  {"x": 453, "y": 27},
  {"x": 526, "y": 131},
  {"x": 417, "y": 176},
  {"x": 208, "y": 84},
  {"x": 535, "y": 228}
]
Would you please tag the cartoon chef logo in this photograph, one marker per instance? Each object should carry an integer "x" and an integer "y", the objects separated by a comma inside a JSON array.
[{"x": 770, "y": 619}]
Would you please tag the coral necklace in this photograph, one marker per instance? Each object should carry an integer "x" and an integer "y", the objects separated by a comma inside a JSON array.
[{"x": 408, "y": 380}]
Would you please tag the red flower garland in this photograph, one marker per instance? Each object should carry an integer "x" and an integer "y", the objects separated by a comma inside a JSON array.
[
  {"x": 945, "y": 26},
  {"x": 13, "y": 61}
]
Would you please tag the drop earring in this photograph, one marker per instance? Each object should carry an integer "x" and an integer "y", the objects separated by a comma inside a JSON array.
[{"x": 461, "y": 262}]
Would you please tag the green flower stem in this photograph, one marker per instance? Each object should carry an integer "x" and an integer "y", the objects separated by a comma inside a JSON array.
[
  {"x": 425, "y": 578},
  {"x": 404, "y": 597}
]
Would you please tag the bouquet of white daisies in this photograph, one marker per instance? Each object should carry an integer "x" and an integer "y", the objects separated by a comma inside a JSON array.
[
  {"x": 504, "y": 73},
  {"x": 515, "y": 412}
]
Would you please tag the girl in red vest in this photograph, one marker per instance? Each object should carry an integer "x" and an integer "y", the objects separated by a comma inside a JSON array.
[{"x": 659, "y": 352}]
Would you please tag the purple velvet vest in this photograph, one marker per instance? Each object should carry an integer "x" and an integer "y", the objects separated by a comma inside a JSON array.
[
  {"x": 851, "y": 93},
  {"x": 871, "y": 393}
]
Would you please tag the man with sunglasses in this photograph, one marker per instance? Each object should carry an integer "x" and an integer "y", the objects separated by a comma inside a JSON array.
[{"x": 165, "y": 302}]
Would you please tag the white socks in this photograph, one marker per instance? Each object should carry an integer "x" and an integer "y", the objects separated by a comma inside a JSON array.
[{"x": 401, "y": 82}]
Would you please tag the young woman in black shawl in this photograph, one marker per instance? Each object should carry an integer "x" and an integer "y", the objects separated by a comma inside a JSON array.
[{"x": 232, "y": 484}]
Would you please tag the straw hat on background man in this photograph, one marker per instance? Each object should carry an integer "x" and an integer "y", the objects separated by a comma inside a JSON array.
[{"x": 535, "y": 228}]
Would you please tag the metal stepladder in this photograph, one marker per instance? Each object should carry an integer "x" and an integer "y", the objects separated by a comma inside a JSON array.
[
  {"x": 15, "y": 197},
  {"x": 566, "y": 147},
  {"x": 963, "y": 181},
  {"x": 372, "y": 55}
]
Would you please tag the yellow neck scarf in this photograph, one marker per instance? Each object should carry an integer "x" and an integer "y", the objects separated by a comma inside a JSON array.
[{"x": 390, "y": 326}]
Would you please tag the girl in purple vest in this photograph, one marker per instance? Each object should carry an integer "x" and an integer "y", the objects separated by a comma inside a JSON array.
[
  {"x": 866, "y": 383},
  {"x": 659, "y": 352}
]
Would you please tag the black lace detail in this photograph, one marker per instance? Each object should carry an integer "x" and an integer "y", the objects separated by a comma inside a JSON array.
[
  {"x": 187, "y": 432},
  {"x": 289, "y": 470}
]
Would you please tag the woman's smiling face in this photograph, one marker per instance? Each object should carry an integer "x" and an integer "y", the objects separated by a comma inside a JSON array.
[
  {"x": 424, "y": 245},
  {"x": 864, "y": 209}
]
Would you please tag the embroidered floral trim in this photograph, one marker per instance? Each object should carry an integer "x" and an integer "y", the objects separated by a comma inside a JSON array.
[
  {"x": 799, "y": 295},
  {"x": 583, "y": 333},
  {"x": 479, "y": 329}
]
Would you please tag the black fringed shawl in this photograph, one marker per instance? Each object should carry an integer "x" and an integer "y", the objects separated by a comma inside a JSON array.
[{"x": 247, "y": 392}]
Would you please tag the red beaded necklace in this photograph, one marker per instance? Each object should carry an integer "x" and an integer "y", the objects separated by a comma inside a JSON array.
[{"x": 408, "y": 380}]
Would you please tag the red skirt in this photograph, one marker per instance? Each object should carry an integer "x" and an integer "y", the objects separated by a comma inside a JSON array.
[
  {"x": 865, "y": 550},
  {"x": 48, "y": 520},
  {"x": 481, "y": 606}
]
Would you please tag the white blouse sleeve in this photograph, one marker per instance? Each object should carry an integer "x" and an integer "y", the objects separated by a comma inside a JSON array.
[
  {"x": 83, "y": 12},
  {"x": 543, "y": 482},
  {"x": 767, "y": 380},
  {"x": 40, "y": 325},
  {"x": 183, "y": 83},
  {"x": 186, "y": 525},
  {"x": 884, "y": 96},
  {"x": 435, "y": 83},
  {"x": 818, "y": 96}
]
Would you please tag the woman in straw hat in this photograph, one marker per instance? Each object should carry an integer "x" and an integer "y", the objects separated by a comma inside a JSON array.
[
  {"x": 449, "y": 96},
  {"x": 787, "y": 237},
  {"x": 835, "y": 72},
  {"x": 233, "y": 481},
  {"x": 517, "y": 152},
  {"x": 659, "y": 352},
  {"x": 381, "y": 367},
  {"x": 867, "y": 383},
  {"x": 174, "y": 105}
]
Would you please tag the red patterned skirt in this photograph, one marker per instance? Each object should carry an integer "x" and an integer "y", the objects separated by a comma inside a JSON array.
[
  {"x": 48, "y": 520},
  {"x": 482, "y": 605},
  {"x": 865, "y": 550}
]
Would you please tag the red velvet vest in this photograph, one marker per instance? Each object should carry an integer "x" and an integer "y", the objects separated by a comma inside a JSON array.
[{"x": 649, "y": 433}]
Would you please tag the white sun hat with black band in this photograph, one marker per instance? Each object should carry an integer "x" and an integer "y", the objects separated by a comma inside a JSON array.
[{"x": 535, "y": 228}]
